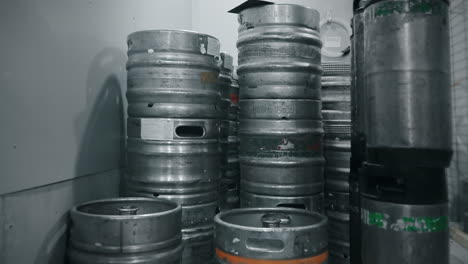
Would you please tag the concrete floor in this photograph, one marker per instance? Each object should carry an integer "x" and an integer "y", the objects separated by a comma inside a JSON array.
[{"x": 458, "y": 254}]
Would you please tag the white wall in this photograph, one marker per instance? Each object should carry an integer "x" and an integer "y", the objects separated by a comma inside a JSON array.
[
  {"x": 210, "y": 16},
  {"x": 62, "y": 85},
  {"x": 62, "y": 79}
]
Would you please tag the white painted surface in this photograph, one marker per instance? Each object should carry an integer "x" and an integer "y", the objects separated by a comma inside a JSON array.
[
  {"x": 62, "y": 84},
  {"x": 35, "y": 222},
  {"x": 62, "y": 104}
]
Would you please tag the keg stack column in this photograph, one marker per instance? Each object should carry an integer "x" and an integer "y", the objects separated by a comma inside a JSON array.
[
  {"x": 358, "y": 126},
  {"x": 280, "y": 131},
  {"x": 336, "y": 111},
  {"x": 229, "y": 141},
  {"x": 404, "y": 210},
  {"x": 173, "y": 129}
]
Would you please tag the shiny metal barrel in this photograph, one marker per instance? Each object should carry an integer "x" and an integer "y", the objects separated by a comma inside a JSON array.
[
  {"x": 281, "y": 147},
  {"x": 178, "y": 159},
  {"x": 173, "y": 156},
  {"x": 336, "y": 111},
  {"x": 270, "y": 235},
  {"x": 229, "y": 194},
  {"x": 229, "y": 88},
  {"x": 281, "y": 157},
  {"x": 229, "y": 143},
  {"x": 126, "y": 230},
  {"x": 173, "y": 73},
  {"x": 311, "y": 202},
  {"x": 279, "y": 52},
  {"x": 404, "y": 233},
  {"x": 407, "y": 76},
  {"x": 337, "y": 211}
]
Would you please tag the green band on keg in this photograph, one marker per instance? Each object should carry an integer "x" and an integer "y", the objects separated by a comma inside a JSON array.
[
  {"x": 407, "y": 224},
  {"x": 428, "y": 7}
]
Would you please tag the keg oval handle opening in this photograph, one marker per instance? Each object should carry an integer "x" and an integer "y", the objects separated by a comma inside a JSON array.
[
  {"x": 184, "y": 131},
  {"x": 264, "y": 245}
]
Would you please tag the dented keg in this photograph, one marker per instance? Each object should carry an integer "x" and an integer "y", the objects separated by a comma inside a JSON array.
[
  {"x": 404, "y": 233},
  {"x": 173, "y": 73},
  {"x": 407, "y": 77},
  {"x": 126, "y": 230},
  {"x": 270, "y": 235}
]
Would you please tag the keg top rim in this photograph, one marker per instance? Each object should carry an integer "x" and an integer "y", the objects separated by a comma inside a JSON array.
[
  {"x": 76, "y": 210},
  {"x": 170, "y": 30},
  {"x": 244, "y": 6},
  {"x": 322, "y": 222}
]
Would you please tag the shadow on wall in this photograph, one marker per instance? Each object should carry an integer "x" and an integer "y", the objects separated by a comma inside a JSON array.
[{"x": 101, "y": 146}]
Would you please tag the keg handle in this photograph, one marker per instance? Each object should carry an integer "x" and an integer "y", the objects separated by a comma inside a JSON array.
[
  {"x": 275, "y": 220},
  {"x": 128, "y": 210}
]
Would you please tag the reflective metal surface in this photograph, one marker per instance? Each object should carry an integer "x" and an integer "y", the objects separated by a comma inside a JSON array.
[
  {"x": 126, "y": 230},
  {"x": 403, "y": 233},
  {"x": 337, "y": 211},
  {"x": 229, "y": 141},
  {"x": 408, "y": 77},
  {"x": 336, "y": 113},
  {"x": 257, "y": 234},
  {"x": 281, "y": 157},
  {"x": 181, "y": 164},
  {"x": 310, "y": 202},
  {"x": 173, "y": 74},
  {"x": 281, "y": 148},
  {"x": 229, "y": 88}
]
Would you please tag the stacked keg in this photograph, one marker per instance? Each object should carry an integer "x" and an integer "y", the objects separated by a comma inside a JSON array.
[
  {"x": 173, "y": 128},
  {"x": 402, "y": 92},
  {"x": 336, "y": 111},
  {"x": 126, "y": 230},
  {"x": 281, "y": 132},
  {"x": 229, "y": 141},
  {"x": 271, "y": 235}
]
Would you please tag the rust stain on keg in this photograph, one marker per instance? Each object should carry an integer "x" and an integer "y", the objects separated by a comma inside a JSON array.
[{"x": 208, "y": 77}]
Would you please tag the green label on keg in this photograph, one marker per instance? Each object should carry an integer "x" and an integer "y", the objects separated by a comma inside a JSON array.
[
  {"x": 428, "y": 7},
  {"x": 377, "y": 219},
  {"x": 404, "y": 224}
]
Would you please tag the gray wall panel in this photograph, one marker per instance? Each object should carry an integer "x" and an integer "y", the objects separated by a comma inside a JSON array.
[
  {"x": 62, "y": 84},
  {"x": 35, "y": 222}
]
